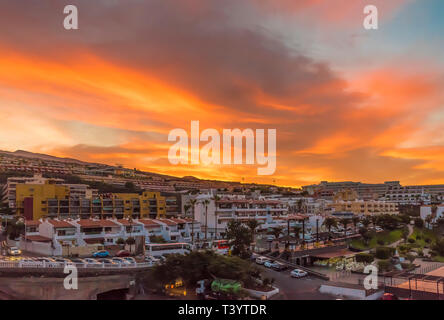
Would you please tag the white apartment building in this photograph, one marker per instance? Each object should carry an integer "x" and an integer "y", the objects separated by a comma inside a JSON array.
[
  {"x": 426, "y": 211},
  {"x": 49, "y": 236},
  {"x": 216, "y": 215}
]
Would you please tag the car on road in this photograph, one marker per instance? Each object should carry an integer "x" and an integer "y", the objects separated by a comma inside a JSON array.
[
  {"x": 277, "y": 266},
  {"x": 261, "y": 260},
  {"x": 271, "y": 237},
  {"x": 101, "y": 254},
  {"x": 269, "y": 263},
  {"x": 14, "y": 251},
  {"x": 123, "y": 253},
  {"x": 298, "y": 273}
]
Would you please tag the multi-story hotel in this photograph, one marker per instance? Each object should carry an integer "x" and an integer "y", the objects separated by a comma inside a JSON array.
[
  {"x": 35, "y": 201},
  {"x": 363, "y": 207},
  {"x": 216, "y": 214}
]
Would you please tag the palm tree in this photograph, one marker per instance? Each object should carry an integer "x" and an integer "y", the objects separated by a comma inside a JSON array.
[
  {"x": 276, "y": 232},
  {"x": 216, "y": 198},
  {"x": 355, "y": 221},
  {"x": 297, "y": 231},
  {"x": 206, "y": 202},
  {"x": 252, "y": 224},
  {"x": 193, "y": 204},
  {"x": 374, "y": 219},
  {"x": 330, "y": 223},
  {"x": 345, "y": 222},
  {"x": 366, "y": 222}
]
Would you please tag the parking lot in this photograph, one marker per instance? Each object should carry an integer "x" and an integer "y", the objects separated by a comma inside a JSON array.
[{"x": 290, "y": 288}]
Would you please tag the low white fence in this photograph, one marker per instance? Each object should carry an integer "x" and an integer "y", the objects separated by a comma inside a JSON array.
[{"x": 55, "y": 265}]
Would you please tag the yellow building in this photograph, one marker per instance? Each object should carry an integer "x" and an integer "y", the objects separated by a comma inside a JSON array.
[
  {"x": 361, "y": 207},
  {"x": 146, "y": 205},
  {"x": 33, "y": 200}
]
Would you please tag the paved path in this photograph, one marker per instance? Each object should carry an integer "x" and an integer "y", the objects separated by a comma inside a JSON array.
[{"x": 396, "y": 243}]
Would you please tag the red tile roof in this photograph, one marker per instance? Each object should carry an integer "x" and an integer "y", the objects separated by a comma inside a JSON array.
[
  {"x": 32, "y": 223},
  {"x": 168, "y": 222},
  {"x": 125, "y": 222},
  {"x": 61, "y": 224},
  {"x": 149, "y": 223},
  {"x": 38, "y": 238}
]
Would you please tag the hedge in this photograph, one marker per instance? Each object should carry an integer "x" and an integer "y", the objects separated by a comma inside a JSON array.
[
  {"x": 384, "y": 252},
  {"x": 365, "y": 257}
]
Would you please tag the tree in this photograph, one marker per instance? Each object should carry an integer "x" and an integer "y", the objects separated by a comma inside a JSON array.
[
  {"x": 120, "y": 241},
  {"x": 405, "y": 234},
  {"x": 345, "y": 222},
  {"x": 366, "y": 222},
  {"x": 374, "y": 219},
  {"x": 130, "y": 241},
  {"x": 252, "y": 224},
  {"x": 206, "y": 202},
  {"x": 419, "y": 223},
  {"x": 276, "y": 232},
  {"x": 239, "y": 238},
  {"x": 411, "y": 258},
  {"x": 366, "y": 235},
  {"x": 330, "y": 223},
  {"x": 193, "y": 204},
  {"x": 130, "y": 186},
  {"x": 215, "y": 198},
  {"x": 355, "y": 221},
  {"x": 429, "y": 220}
]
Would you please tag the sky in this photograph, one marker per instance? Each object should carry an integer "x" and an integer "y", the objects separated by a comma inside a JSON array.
[{"x": 347, "y": 103}]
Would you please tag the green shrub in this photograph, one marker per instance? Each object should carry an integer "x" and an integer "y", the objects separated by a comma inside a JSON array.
[
  {"x": 384, "y": 252},
  {"x": 419, "y": 223},
  {"x": 428, "y": 240},
  {"x": 384, "y": 265},
  {"x": 365, "y": 257},
  {"x": 380, "y": 242},
  {"x": 411, "y": 240}
]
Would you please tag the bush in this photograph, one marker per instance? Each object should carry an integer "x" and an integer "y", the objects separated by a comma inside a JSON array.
[
  {"x": 384, "y": 252},
  {"x": 365, "y": 257},
  {"x": 130, "y": 241},
  {"x": 411, "y": 240},
  {"x": 418, "y": 237},
  {"x": 384, "y": 265},
  {"x": 419, "y": 223},
  {"x": 428, "y": 240},
  {"x": 380, "y": 242},
  {"x": 120, "y": 241}
]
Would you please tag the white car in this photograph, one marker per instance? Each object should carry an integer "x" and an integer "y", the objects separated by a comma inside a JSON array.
[
  {"x": 14, "y": 251},
  {"x": 261, "y": 260},
  {"x": 298, "y": 273},
  {"x": 92, "y": 262}
]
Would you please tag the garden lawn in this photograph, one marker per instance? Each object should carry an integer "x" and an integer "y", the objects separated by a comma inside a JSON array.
[
  {"x": 424, "y": 233},
  {"x": 387, "y": 236}
]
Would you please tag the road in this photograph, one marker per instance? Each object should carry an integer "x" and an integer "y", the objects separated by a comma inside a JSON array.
[{"x": 296, "y": 289}]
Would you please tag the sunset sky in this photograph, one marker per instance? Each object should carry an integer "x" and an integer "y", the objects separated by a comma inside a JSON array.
[{"x": 347, "y": 103}]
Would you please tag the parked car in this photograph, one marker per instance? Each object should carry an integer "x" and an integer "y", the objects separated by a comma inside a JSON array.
[
  {"x": 92, "y": 262},
  {"x": 261, "y": 260},
  {"x": 131, "y": 260},
  {"x": 271, "y": 237},
  {"x": 14, "y": 251},
  {"x": 298, "y": 273},
  {"x": 43, "y": 259},
  {"x": 62, "y": 260},
  {"x": 101, "y": 254},
  {"x": 78, "y": 261},
  {"x": 123, "y": 253},
  {"x": 120, "y": 261},
  {"x": 106, "y": 261},
  {"x": 279, "y": 266}
]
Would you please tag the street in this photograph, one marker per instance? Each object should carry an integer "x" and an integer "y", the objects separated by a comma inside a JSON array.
[{"x": 296, "y": 289}]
